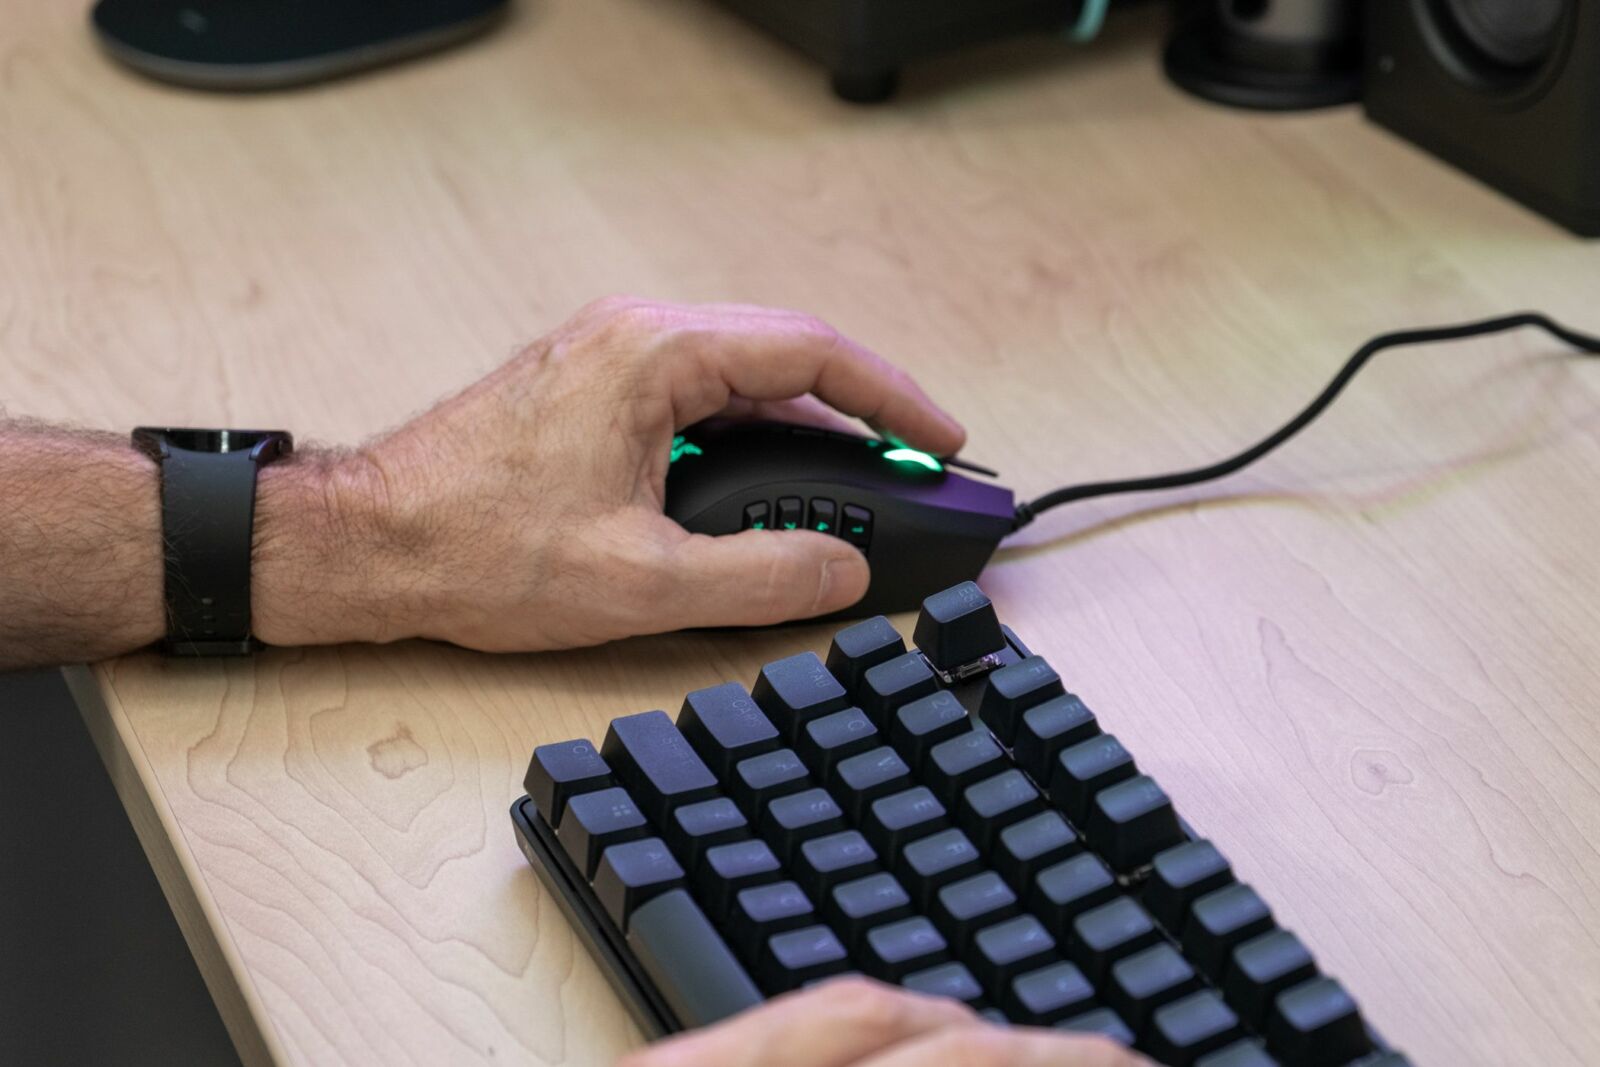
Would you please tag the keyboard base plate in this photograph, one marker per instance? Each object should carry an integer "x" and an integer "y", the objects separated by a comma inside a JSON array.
[{"x": 589, "y": 921}]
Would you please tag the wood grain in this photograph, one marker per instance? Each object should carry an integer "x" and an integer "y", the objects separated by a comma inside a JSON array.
[{"x": 1367, "y": 668}]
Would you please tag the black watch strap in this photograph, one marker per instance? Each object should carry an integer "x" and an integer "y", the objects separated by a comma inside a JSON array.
[{"x": 208, "y": 505}]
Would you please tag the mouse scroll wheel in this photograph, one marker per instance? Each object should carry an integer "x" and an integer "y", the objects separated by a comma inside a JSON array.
[{"x": 966, "y": 465}]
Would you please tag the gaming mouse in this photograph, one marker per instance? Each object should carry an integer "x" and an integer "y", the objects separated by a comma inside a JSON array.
[
  {"x": 273, "y": 44},
  {"x": 922, "y": 526}
]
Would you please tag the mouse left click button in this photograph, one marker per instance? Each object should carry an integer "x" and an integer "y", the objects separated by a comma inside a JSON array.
[{"x": 758, "y": 517}]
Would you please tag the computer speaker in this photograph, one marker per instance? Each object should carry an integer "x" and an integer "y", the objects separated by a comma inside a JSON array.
[
  {"x": 1507, "y": 90},
  {"x": 1275, "y": 55}
]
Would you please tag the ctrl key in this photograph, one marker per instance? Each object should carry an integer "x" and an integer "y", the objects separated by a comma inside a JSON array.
[
  {"x": 558, "y": 772},
  {"x": 631, "y": 873}
]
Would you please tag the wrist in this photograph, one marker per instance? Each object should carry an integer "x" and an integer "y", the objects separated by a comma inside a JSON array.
[{"x": 325, "y": 563}]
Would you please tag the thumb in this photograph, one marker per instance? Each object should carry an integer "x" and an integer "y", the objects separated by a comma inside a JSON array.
[{"x": 760, "y": 577}]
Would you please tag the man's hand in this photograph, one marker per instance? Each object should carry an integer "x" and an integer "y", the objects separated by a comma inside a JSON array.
[
  {"x": 525, "y": 513},
  {"x": 852, "y": 1022}
]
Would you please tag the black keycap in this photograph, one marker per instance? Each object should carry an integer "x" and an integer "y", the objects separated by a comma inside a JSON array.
[
  {"x": 962, "y": 908},
  {"x": 1102, "y": 1021},
  {"x": 789, "y": 960},
  {"x": 897, "y": 949},
  {"x": 1151, "y": 977},
  {"x": 1104, "y": 934},
  {"x": 896, "y": 820},
  {"x": 596, "y": 821},
  {"x": 858, "y": 781},
  {"x": 1316, "y": 1023},
  {"x": 1047, "y": 729},
  {"x": 1086, "y": 768},
  {"x": 1263, "y": 967},
  {"x": 1179, "y": 877},
  {"x": 929, "y": 863},
  {"x": 857, "y": 648},
  {"x": 760, "y": 779},
  {"x": 1048, "y": 995},
  {"x": 791, "y": 511},
  {"x": 855, "y": 907},
  {"x": 729, "y": 868},
  {"x": 959, "y": 762},
  {"x": 918, "y": 726},
  {"x": 957, "y": 627},
  {"x": 1218, "y": 921},
  {"x": 1186, "y": 1029},
  {"x": 657, "y": 765},
  {"x": 560, "y": 771},
  {"x": 697, "y": 974},
  {"x": 857, "y": 526},
  {"x": 823, "y": 516},
  {"x": 764, "y": 910},
  {"x": 798, "y": 817},
  {"x": 1131, "y": 821},
  {"x": 795, "y": 690},
  {"x": 827, "y": 740},
  {"x": 631, "y": 873},
  {"x": 1007, "y": 949},
  {"x": 951, "y": 980},
  {"x": 824, "y": 862},
  {"x": 1012, "y": 690},
  {"x": 893, "y": 683},
  {"x": 1061, "y": 891},
  {"x": 758, "y": 516},
  {"x": 1248, "y": 1052},
  {"x": 1028, "y": 847},
  {"x": 725, "y": 725},
  {"x": 693, "y": 828},
  {"x": 989, "y": 806}
]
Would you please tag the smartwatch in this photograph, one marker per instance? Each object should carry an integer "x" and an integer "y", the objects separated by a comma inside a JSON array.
[{"x": 208, "y": 508}]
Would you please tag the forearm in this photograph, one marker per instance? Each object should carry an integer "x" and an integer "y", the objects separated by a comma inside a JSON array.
[
  {"x": 332, "y": 561},
  {"x": 81, "y": 565},
  {"x": 80, "y": 547}
]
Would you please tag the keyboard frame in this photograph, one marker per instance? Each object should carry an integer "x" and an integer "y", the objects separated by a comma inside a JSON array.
[{"x": 608, "y": 945}]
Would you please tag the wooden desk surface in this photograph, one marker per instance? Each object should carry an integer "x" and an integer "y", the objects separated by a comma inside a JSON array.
[{"x": 1367, "y": 668}]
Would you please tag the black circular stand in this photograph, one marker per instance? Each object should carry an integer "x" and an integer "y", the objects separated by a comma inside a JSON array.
[
  {"x": 872, "y": 87},
  {"x": 1299, "y": 79}
]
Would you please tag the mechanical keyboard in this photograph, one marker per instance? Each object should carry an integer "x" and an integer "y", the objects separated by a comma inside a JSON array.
[{"x": 948, "y": 818}]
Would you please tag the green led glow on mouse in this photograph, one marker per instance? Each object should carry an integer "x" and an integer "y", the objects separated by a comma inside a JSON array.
[
  {"x": 911, "y": 455},
  {"x": 681, "y": 447}
]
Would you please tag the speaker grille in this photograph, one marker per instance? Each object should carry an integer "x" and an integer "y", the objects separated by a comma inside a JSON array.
[{"x": 1504, "y": 39}]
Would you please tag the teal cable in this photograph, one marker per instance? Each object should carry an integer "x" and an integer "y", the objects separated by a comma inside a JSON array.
[{"x": 1090, "y": 20}]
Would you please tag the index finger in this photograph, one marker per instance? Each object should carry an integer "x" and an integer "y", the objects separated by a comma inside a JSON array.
[
  {"x": 832, "y": 1025},
  {"x": 723, "y": 351}
]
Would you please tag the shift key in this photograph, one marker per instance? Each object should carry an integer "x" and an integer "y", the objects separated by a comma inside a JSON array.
[
  {"x": 653, "y": 758},
  {"x": 691, "y": 966}
]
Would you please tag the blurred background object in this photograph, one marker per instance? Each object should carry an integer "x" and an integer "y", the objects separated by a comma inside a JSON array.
[
  {"x": 1271, "y": 55},
  {"x": 93, "y": 966},
  {"x": 277, "y": 44},
  {"x": 1504, "y": 89},
  {"x": 864, "y": 43}
]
